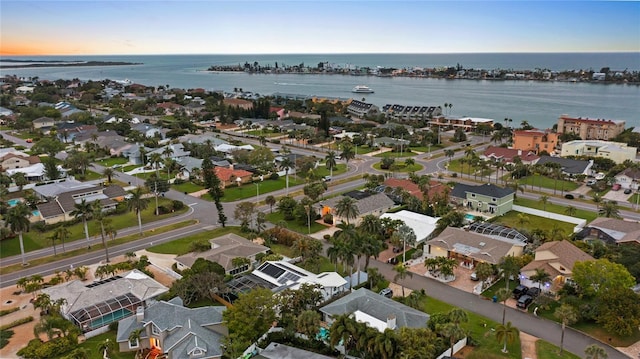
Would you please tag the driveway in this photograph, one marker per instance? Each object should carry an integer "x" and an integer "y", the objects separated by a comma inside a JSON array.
[{"x": 618, "y": 196}]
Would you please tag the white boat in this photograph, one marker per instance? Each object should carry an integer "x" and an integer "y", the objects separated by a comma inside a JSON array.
[
  {"x": 362, "y": 89},
  {"x": 124, "y": 82}
]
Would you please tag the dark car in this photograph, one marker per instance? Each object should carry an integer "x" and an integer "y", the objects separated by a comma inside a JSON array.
[
  {"x": 533, "y": 292},
  {"x": 392, "y": 260},
  {"x": 627, "y": 191},
  {"x": 524, "y": 301},
  {"x": 519, "y": 291},
  {"x": 387, "y": 292},
  {"x": 396, "y": 250},
  {"x": 569, "y": 196}
]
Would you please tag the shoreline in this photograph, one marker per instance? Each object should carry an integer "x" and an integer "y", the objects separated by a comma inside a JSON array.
[{"x": 27, "y": 65}]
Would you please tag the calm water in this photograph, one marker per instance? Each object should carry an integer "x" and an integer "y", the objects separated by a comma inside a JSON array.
[{"x": 537, "y": 102}]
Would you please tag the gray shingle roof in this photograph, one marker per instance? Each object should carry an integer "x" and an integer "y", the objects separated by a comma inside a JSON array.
[
  {"x": 377, "y": 306},
  {"x": 226, "y": 249},
  {"x": 568, "y": 165},
  {"x": 378, "y": 201},
  {"x": 490, "y": 190}
]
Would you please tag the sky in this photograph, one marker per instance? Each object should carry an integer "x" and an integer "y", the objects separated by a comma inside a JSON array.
[{"x": 280, "y": 27}]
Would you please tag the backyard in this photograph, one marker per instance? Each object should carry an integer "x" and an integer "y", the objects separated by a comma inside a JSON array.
[
  {"x": 181, "y": 246},
  {"x": 548, "y": 182},
  {"x": 555, "y": 208},
  {"x": 513, "y": 220},
  {"x": 295, "y": 225}
]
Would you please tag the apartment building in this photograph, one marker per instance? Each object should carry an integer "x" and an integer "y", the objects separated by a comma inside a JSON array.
[
  {"x": 535, "y": 141},
  {"x": 589, "y": 128}
]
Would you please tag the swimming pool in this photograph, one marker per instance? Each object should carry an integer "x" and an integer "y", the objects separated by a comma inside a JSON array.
[
  {"x": 35, "y": 213},
  {"x": 13, "y": 202},
  {"x": 110, "y": 317},
  {"x": 469, "y": 217}
]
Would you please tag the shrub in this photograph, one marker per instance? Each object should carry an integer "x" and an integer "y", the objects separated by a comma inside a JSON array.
[
  {"x": 416, "y": 254},
  {"x": 282, "y": 236},
  {"x": 5, "y": 335},
  {"x": 113, "y": 326},
  {"x": 199, "y": 246},
  {"x": 178, "y": 181},
  {"x": 36, "y": 349},
  {"x": 15, "y": 323},
  {"x": 276, "y": 141},
  {"x": 326, "y": 237},
  {"x": 177, "y": 205},
  {"x": 328, "y": 218},
  {"x": 274, "y": 176}
]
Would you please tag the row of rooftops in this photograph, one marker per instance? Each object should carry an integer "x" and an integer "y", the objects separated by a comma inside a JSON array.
[{"x": 411, "y": 110}]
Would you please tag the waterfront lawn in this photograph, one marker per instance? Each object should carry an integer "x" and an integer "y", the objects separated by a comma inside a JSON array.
[
  {"x": 34, "y": 239},
  {"x": 555, "y": 208},
  {"x": 188, "y": 187},
  {"x": 547, "y": 182},
  {"x": 396, "y": 154},
  {"x": 294, "y": 225},
  {"x": 546, "y": 350},
  {"x": 248, "y": 190},
  {"x": 510, "y": 219},
  {"x": 92, "y": 346},
  {"x": 112, "y": 161},
  {"x": 480, "y": 329},
  {"x": 401, "y": 167},
  {"x": 181, "y": 246}
]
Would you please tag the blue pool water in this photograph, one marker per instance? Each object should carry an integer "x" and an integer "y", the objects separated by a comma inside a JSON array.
[
  {"x": 469, "y": 217},
  {"x": 35, "y": 213},
  {"x": 13, "y": 202},
  {"x": 109, "y": 318}
]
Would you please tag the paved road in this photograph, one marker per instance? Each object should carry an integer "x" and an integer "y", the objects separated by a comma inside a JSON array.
[{"x": 17, "y": 140}]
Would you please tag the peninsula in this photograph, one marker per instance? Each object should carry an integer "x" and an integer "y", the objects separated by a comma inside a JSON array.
[{"x": 18, "y": 64}]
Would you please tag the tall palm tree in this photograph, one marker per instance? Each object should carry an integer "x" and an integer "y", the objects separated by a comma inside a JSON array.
[
  {"x": 348, "y": 153},
  {"x": 83, "y": 210},
  {"x": 544, "y": 200},
  {"x": 347, "y": 208},
  {"x": 136, "y": 334},
  {"x": 62, "y": 233},
  {"x": 449, "y": 153},
  {"x": 506, "y": 334},
  {"x": 138, "y": 204},
  {"x": 453, "y": 332},
  {"x": 570, "y": 210},
  {"x": 401, "y": 273},
  {"x": 109, "y": 173},
  {"x": 286, "y": 165},
  {"x": 17, "y": 219},
  {"x": 503, "y": 294},
  {"x": 330, "y": 161},
  {"x": 101, "y": 217},
  {"x": 510, "y": 267},
  {"x": 143, "y": 155},
  {"x": 609, "y": 209},
  {"x": 567, "y": 316},
  {"x": 156, "y": 159},
  {"x": 594, "y": 351}
]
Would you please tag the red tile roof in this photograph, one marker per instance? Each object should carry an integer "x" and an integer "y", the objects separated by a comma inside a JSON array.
[
  {"x": 507, "y": 154},
  {"x": 227, "y": 174},
  {"x": 589, "y": 120},
  {"x": 435, "y": 187}
]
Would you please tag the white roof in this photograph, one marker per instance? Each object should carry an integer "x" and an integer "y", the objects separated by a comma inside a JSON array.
[
  {"x": 477, "y": 119},
  {"x": 228, "y": 148},
  {"x": 422, "y": 225},
  {"x": 35, "y": 170},
  {"x": 373, "y": 322}
]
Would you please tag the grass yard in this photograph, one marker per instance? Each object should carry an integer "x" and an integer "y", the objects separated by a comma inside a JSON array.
[
  {"x": 401, "y": 167},
  {"x": 130, "y": 168},
  {"x": 112, "y": 161},
  {"x": 595, "y": 330},
  {"x": 295, "y": 225},
  {"x": 555, "y": 208},
  {"x": 511, "y": 220},
  {"x": 396, "y": 154},
  {"x": 363, "y": 150},
  {"x": 634, "y": 199},
  {"x": 285, "y": 251},
  {"x": 479, "y": 328},
  {"x": 248, "y": 190},
  {"x": 546, "y": 350},
  {"x": 267, "y": 133},
  {"x": 425, "y": 149},
  {"x": 188, "y": 187},
  {"x": 35, "y": 240},
  {"x": 456, "y": 167},
  {"x": 90, "y": 175},
  {"x": 546, "y": 182},
  {"x": 145, "y": 176},
  {"x": 92, "y": 345},
  {"x": 491, "y": 291},
  {"x": 322, "y": 170},
  {"x": 180, "y": 246}
]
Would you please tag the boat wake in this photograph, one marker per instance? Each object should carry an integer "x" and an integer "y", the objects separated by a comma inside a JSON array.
[{"x": 289, "y": 84}]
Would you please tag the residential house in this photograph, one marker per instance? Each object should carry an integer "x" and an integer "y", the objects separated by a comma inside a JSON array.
[
  {"x": 488, "y": 198},
  {"x": 435, "y": 188},
  {"x": 375, "y": 310},
  {"x": 223, "y": 251},
  {"x": 177, "y": 151},
  {"x": 629, "y": 178},
  {"x": 611, "y": 231},
  {"x": 589, "y": 128},
  {"x": 228, "y": 149},
  {"x": 471, "y": 248},
  {"x": 17, "y": 160},
  {"x": 281, "y": 351},
  {"x": 362, "y": 109},
  {"x": 133, "y": 154},
  {"x": 466, "y": 123},
  {"x": 390, "y": 142},
  {"x": 569, "y": 166},
  {"x": 280, "y": 275},
  {"x": 63, "y": 196},
  {"x": 95, "y": 305},
  {"x": 237, "y": 102},
  {"x": 557, "y": 259},
  {"x": 535, "y": 141},
  {"x": 406, "y": 113},
  {"x": 5, "y": 112},
  {"x": 422, "y": 225},
  {"x": 169, "y": 108},
  {"x": 507, "y": 155},
  {"x": 67, "y": 131},
  {"x": 232, "y": 177},
  {"x": 43, "y": 122},
  {"x": 618, "y": 152},
  {"x": 148, "y": 130},
  {"x": 365, "y": 202},
  {"x": 172, "y": 331},
  {"x": 187, "y": 166}
]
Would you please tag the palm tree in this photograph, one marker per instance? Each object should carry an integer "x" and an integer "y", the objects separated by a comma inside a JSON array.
[
  {"x": 401, "y": 273},
  {"x": 594, "y": 351},
  {"x": 522, "y": 220},
  {"x": 510, "y": 267},
  {"x": 609, "y": 209},
  {"x": 136, "y": 334},
  {"x": 109, "y": 173},
  {"x": 105, "y": 348},
  {"x": 143, "y": 155},
  {"x": 503, "y": 294},
  {"x": 506, "y": 334},
  {"x": 347, "y": 208},
  {"x": 597, "y": 199},
  {"x": 449, "y": 153},
  {"x": 348, "y": 152},
  {"x": 101, "y": 217},
  {"x": 17, "y": 219},
  {"x": 453, "y": 332},
  {"x": 271, "y": 201},
  {"x": 83, "y": 210},
  {"x": 138, "y": 204},
  {"x": 540, "y": 277},
  {"x": 330, "y": 162},
  {"x": 20, "y": 180},
  {"x": 62, "y": 233},
  {"x": 286, "y": 165},
  {"x": 570, "y": 210},
  {"x": 156, "y": 159},
  {"x": 544, "y": 200},
  {"x": 567, "y": 316}
]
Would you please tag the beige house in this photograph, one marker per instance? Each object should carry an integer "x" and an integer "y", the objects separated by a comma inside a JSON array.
[
  {"x": 556, "y": 259},
  {"x": 43, "y": 122},
  {"x": 366, "y": 203},
  {"x": 590, "y": 128},
  {"x": 618, "y": 152},
  {"x": 13, "y": 160},
  {"x": 223, "y": 251}
]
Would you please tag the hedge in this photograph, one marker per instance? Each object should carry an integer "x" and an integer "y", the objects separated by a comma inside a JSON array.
[
  {"x": 8, "y": 311},
  {"x": 15, "y": 323}
]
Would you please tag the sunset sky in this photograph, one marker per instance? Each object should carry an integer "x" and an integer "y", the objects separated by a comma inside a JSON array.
[{"x": 256, "y": 27}]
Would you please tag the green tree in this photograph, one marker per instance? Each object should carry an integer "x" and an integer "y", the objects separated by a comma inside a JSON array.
[
  {"x": 594, "y": 351},
  {"x": 544, "y": 200},
  {"x": 330, "y": 162},
  {"x": 570, "y": 211},
  {"x": 308, "y": 323},
  {"x": 484, "y": 271},
  {"x": 156, "y": 159},
  {"x": 250, "y": 316},
  {"x": 453, "y": 332},
  {"x": 101, "y": 218},
  {"x": 401, "y": 273},
  {"x": 600, "y": 276},
  {"x": 20, "y": 179},
  {"x": 503, "y": 294},
  {"x": 286, "y": 206},
  {"x": 83, "y": 210},
  {"x": 506, "y": 334},
  {"x": 136, "y": 335},
  {"x": 348, "y": 153},
  {"x": 137, "y": 203},
  {"x": 567, "y": 316},
  {"x": 17, "y": 220},
  {"x": 347, "y": 208},
  {"x": 271, "y": 201},
  {"x": 609, "y": 209},
  {"x": 109, "y": 173},
  {"x": 510, "y": 266},
  {"x": 244, "y": 213},
  {"x": 618, "y": 311},
  {"x": 540, "y": 276}
]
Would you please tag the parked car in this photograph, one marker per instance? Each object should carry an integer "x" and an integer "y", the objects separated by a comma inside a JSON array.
[
  {"x": 474, "y": 276},
  {"x": 387, "y": 292},
  {"x": 591, "y": 182},
  {"x": 524, "y": 301},
  {"x": 534, "y": 292},
  {"x": 616, "y": 187},
  {"x": 327, "y": 178},
  {"x": 392, "y": 260},
  {"x": 396, "y": 250},
  {"x": 627, "y": 191},
  {"x": 569, "y": 196},
  {"x": 519, "y": 291}
]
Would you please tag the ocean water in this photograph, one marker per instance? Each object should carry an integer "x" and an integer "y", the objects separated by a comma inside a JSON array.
[{"x": 539, "y": 103}]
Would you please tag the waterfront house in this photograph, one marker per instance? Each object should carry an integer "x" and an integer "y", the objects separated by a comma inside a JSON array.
[
  {"x": 589, "y": 128},
  {"x": 362, "y": 109},
  {"x": 535, "y": 141},
  {"x": 618, "y": 152},
  {"x": 487, "y": 198}
]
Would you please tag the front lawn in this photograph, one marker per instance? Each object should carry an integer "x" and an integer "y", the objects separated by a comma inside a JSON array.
[
  {"x": 181, "y": 246},
  {"x": 112, "y": 161},
  {"x": 546, "y": 350},
  {"x": 92, "y": 346},
  {"x": 248, "y": 190},
  {"x": 456, "y": 167},
  {"x": 187, "y": 187},
  {"x": 491, "y": 291},
  {"x": 547, "y": 182},
  {"x": 34, "y": 239},
  {"x": 295, "y": 225},
  {"x": 511, "y": 220},
  {"x": 322, "y": 170},
  {"x": 555, "y": 208},
  {"x": 130, "y": 168},
  {"x": 90, "y": 176}
]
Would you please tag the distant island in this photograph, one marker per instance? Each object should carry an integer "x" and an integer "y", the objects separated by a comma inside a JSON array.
[{"x": 19, "y": 64}]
